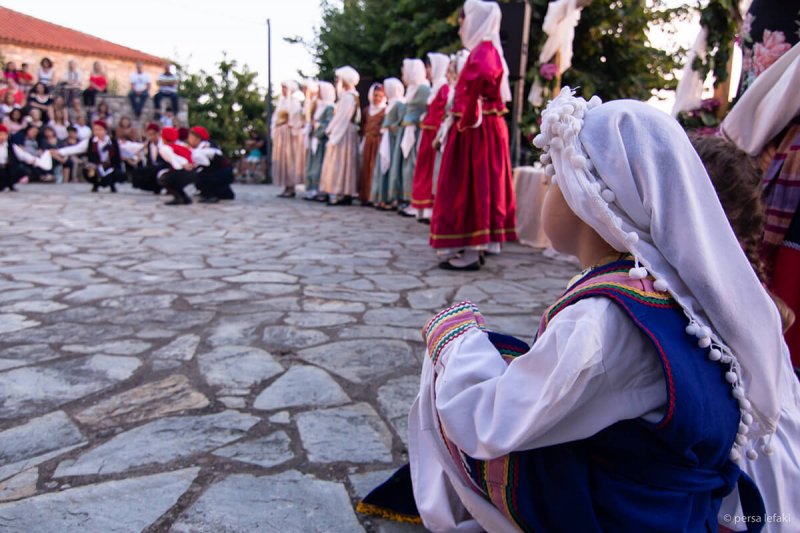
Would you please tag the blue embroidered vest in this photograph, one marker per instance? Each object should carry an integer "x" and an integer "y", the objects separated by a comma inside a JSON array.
[{"x": 634, "y": 475}]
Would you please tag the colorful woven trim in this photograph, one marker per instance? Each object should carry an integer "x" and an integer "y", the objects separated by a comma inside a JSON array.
[
  {"x": 388, "y": 514},
  {"x": 450, "y": 324}
]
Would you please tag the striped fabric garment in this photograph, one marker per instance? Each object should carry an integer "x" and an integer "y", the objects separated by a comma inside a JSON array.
[
  {"x": 450, "y": 324},
  {"x": 781, "y": 186}
]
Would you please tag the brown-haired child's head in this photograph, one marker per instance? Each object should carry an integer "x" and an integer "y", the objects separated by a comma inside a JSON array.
[{"x": 737, "y": 181}]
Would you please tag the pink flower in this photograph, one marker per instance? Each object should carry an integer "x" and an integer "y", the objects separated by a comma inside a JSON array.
[
  {"x": 769, "y": 50},
  {"x": 747, "y": 24},
  {"x": 548, "y": 71}
]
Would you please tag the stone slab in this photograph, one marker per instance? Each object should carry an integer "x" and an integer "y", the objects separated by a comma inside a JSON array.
[{"x": 301, "y": 386}]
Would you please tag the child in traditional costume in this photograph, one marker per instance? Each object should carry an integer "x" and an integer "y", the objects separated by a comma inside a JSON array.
[
  {"x": 371, "y": 122},
  {"x": 180, "y": 171},
  {"x": 418, "y": 92},
  {"x": 339, "y": 179},
  {"x": 422, "y": 189},
  {"x": 323, "y": 113},
  {"x": 474, "y": 208},
  {"x": 457, "y": 62},
  {"x": 387, "y": 162},
  {"x": 104, "y": 157},
  {"x": 737, "y": 182},
  {"x": 658, "y": 372},
  {"x": 286, "y": 121}
]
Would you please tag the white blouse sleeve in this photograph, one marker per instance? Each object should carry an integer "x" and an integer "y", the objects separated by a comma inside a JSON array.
[
  {"x": 76, "y": 149},
  {"x": 168, "y": 154},
  {"x": 590, "y": 369},
  {"x": 342, "y": 117}
]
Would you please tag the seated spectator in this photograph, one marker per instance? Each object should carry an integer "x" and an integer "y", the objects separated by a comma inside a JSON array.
[
  {"x": 24, "y": 78},
  {"x": 15, "y": 121},
  {"x": 97, "y": 84},
  {"x": 167, "y": 88},
  {"x": 13, "y": 88},
  {"x": 59, "y": 102},
  {"x": 73, "y": 82},
  {"x": 140, "y": 89},
  {"x": 59, "y": 123},
  {"x": 82, "y": 127},
  {"x": 125, "y": 130},
  {"x": 46, "y": 74},
  {"x": 34, "y": 118},
  {"x": 102, "y": 113},
  {"x": 7, "y": 104},
  {"x": 10, "y": 72},
  {"x": 167, "y": 119},
  {"x": 39, "y": 98},
  {"x": 75, "y": 110}
]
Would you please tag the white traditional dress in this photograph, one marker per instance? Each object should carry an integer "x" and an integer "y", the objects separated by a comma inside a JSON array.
[{"x": 340, "y": 167}]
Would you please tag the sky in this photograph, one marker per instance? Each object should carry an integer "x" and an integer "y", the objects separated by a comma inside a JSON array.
[
  {"x": 194, "y": 32},
  {"x": 197, "y": 32}
]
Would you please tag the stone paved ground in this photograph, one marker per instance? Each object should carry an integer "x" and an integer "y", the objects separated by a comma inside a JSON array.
[{"x": 238, "y": 367}]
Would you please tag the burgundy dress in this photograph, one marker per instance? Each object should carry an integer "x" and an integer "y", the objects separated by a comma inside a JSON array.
[
  {"x": 474, "y": 203},
  {"x": 422, "y": 191}
]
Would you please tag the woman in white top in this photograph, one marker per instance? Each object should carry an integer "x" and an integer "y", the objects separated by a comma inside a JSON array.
[{"x": 46, "y": 74}]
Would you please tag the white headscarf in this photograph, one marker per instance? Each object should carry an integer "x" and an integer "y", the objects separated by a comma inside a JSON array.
[
  {"x": 327, "y": 98},
  {"x": 348, "y": 74},
  {"x": 395, "y": 91},
  {"x": 482, "y": 23},
  {"x": 375, "y": 109},
  {"x": 767, "y": 106},
  {"x": 439, "y": 64},
  {"x": 311, "y": 84},
  {"x": 289, "y": 103},
  {"x": 414, "y": 75},
  {"x": 630, "y": 172}
]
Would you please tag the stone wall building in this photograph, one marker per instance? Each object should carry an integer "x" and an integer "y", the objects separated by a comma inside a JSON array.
[{"x": 26, "y": 39}]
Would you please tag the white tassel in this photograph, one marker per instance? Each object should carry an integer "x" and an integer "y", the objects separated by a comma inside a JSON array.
[
  {"x": 715, "y": 354},
  {"x": 608, "y": 195},
  {"x": 752, "y": 455},
  {"x": 705, "y": 342}
]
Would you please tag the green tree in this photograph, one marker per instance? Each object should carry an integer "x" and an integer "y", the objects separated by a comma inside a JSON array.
[
  {"x": 227, "y": 102},
  {"x": 613, "y": 56}
]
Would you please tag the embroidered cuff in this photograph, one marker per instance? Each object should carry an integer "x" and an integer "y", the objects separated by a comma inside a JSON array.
[{"x": 450, "y": 324}]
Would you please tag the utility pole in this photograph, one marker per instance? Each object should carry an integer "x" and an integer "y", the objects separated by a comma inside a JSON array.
[{"x": 268, "y": 137}]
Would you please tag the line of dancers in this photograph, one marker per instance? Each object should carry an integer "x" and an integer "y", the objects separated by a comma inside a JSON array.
[{"x": 432, "y": 145}]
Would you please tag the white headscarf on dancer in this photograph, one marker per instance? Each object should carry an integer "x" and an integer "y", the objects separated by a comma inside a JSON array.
[
  {"x": 415, "y": 76},
  {"x": 348, "y": 75},
  {"x": 346, "y": 108},
  {"x": 327, "y": 98},
  {"x": 375, "y": 109},
  {"x": 288, "y": 104},
  {"x": 767, "y": 106},
  {"x": 482, "y": 23},
  {"x": 630, "y": 172},
  {"x": 439, "y": 64},
  {"x": 395, "y": 93}
]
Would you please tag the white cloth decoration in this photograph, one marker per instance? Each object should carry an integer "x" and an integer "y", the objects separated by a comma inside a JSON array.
[
  {"x": 559, "y": 24},
  {"x": 414, "y": 75},
  {"x": 683, "y": 235},
  {"x": 482, "y": 23},
  {"x": 689, "y": 93},
  {"x": 768, "y": 105}
]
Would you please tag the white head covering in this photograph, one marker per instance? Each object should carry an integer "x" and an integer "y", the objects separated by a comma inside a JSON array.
[
  {"x": 630, "y": 172},
  {"x": 439, "y": 64},
  {"x": 482, "y": 23},
  {"x": 348, "y": 74},
  {"x": 311, "y": 84},
  {"x": 395, "y": 91},
  {"x": 767, "y": 106},
  {"x": 289, "y": 103},
  {"x": 327, "y": 98},
  {"x": 414, "y": 75},
  {"x": 375, "y": 109}
]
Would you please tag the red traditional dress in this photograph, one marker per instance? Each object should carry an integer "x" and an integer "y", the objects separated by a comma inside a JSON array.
[
  {"x": 474, "y": 203},
  {"x": 422, "y": 192}
]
